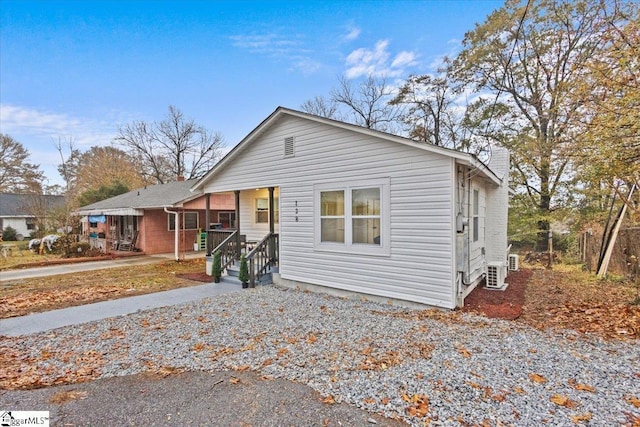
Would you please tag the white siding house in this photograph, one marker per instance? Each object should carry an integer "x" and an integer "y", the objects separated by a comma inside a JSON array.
[{"x": 364, "y": 211}]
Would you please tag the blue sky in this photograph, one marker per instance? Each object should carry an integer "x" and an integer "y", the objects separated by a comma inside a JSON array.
[{"x": 80, "y": 69}]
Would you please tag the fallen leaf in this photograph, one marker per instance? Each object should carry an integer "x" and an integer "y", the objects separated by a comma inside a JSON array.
[
  {"x": 463, "y": 351},
  {"x": 67, "y": 396},
  {"x": 499, "y": 397},
  {"x": 581, "y": 418},
  {"x": 312, "y": 338},
  {"x": 420, "y": 406},
  {"x": 241, "y": 368},
  {"x": 537, "y": 378},
  {"x": 385, "y": 400},
  {"x": 282, "y": 351},
  {"x": 633, "y": 401},
  {"x": 198, "y": 346},
  {"x": 562, "y": 400},
  {"x": 369, "y": 401},
  {"x": 234, "y": 380},
  {"x": 584, "y": 387},
  {"x": 329, "y": 400}
]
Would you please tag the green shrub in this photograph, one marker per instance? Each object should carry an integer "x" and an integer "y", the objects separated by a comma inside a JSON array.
[
  {"x": 216, "y": 270},
  {"x": 243, "y": 274},
  {"x": 9, "y": 234}
]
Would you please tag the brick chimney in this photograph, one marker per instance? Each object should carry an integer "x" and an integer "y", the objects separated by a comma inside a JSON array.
[{"x": 180, "y": 178}]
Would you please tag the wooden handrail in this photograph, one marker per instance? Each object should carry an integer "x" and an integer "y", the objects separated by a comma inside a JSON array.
[
  {"x": 262, "y": 258},
  {"x": 227, "y": 250}
]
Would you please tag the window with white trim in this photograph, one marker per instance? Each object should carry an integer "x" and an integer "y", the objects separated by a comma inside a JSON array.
[
  {"x": 353, "y": 217},
  {"x": 332, "y": 216},
  {"x": 262, "y": 211},
  {"x": 189, "y": 219}
]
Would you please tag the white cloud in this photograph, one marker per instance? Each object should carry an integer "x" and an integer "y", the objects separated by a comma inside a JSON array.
[
  {"x": 353, "y": 33},
  {"x": 363, "y": 61},
  {"x": 273, "y": 45},
  {"x": 404, "y": 59},
  {"x": 39, "y": 131},
  {"x": 40, "y": 125}
]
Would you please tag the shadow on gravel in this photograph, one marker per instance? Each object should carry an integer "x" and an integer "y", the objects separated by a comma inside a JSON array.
[{"x": 189, "y": 398}]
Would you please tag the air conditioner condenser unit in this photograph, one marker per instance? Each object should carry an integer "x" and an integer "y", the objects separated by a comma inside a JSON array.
[
  {"x": 495, "y": 276},
  {"x": 513, "y": 262}
]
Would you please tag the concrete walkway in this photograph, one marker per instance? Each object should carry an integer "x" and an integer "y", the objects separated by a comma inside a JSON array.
[{"x": 48, "y": 320}]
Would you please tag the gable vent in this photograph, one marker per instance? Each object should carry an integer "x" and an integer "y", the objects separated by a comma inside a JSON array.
[{"x": 289, "y": 150}]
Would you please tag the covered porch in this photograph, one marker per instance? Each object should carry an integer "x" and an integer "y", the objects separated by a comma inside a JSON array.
[{"x": 254, "y": 233}]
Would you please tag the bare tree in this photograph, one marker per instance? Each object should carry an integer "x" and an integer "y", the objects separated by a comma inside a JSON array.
[
  {"x": 320, "y": 106},
  {"x": 368, "y": 104},
  {"x": 432, "y": 114},
  {"x": 17, "y": 174},
  {"x": 174, "y": 147}
]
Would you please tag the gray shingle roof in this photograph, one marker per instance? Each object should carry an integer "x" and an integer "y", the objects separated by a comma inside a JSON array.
[
  {"x": 154, "y": 196},
  {"x": 18, "y": 204}
]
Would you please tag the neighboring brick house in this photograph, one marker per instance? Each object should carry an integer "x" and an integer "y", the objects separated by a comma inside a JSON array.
[
  {"x": 26, "y": 213},
  {"x": 144, "y": 219}
]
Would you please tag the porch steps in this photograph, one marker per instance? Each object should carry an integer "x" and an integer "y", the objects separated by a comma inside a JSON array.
[{"x": 234, "y": 270}]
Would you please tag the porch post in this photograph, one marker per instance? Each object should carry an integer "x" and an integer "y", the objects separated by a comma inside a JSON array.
[
  {"x": 271, "y": 248},
  {"x": 271, "y": 213},
  {"x": 207, "y": 221},
  {"x": 238, "y": 249}
]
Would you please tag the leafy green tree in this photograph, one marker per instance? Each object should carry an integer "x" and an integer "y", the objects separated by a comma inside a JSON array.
[
  {"x": 17, "y": 174},
  {"x": 610, "y": 146},
  {"x": 525, "y": 61},
  {"x": 103, "y": 192}
]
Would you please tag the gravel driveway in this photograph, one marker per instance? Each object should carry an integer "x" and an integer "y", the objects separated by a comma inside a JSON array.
[{"x": 417, "y": 366}]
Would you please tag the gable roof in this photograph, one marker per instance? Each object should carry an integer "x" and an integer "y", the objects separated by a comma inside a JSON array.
[
  {"x": 17, "y": 205},
  {"x": 464, "y": 158},
  {"x": 150, "y": 197}
]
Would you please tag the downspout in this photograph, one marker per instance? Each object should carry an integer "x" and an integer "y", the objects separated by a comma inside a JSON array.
[{"x": 176, "y": 230}]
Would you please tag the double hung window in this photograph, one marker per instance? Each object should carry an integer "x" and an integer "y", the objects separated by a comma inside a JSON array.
[
  {"x": 190, "y": 221},
  {"x": 353, "y": 217},
  {"x": 262, "y": 211}
]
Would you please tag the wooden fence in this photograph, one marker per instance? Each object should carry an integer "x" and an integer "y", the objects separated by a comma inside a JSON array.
[{"x": 625, "y": 256}]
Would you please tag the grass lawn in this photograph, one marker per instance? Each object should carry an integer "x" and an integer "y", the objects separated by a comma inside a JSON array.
[
  {"x": 41, "y": 294},
  {"x": 568, "y": 298},
  {"x": 19, "y": 255}
]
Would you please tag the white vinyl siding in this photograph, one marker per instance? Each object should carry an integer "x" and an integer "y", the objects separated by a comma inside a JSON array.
[
  {"x": 419, "y": 264},
  {"x": 255, "y": 231}
]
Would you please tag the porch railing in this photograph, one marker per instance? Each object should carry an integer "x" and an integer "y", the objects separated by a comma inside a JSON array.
[
  {"x": 226, "y": 247},
  {"x": 215, "y": 237},
  {"x": 262, "y": 258}
]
